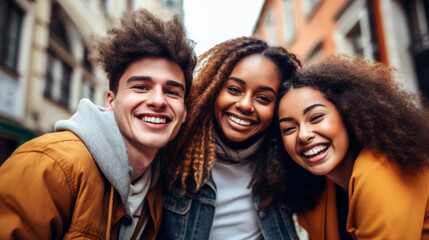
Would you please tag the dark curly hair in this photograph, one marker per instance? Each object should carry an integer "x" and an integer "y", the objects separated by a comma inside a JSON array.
[
  {"x": 193, "y": 155},
  {"x": 377, "y": 113},
  {"x": 139, "y": 35}
]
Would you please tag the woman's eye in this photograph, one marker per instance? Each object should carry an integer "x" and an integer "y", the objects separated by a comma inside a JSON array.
[
  {"x": 288, "y": 130},
  {"x": 234, "y": 90},
  {"x": 264, "y": 99},
  {"x": 316, "y": 118}
]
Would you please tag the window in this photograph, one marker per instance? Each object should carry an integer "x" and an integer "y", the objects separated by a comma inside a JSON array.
[
  {"x": 57, "y": 28},
  {"x": 354, "y": 37},
  {"x": 86, "y": 63},
  {"x": 60, "y": 59},
  {"x": 87, "y": 90},
  {"x": 10, "y": 27},
  {"x": 58, "y": 75},
  {"x": 354, "y": 34},
  {"x": 289, "y": 24},
  {"x": 418, "y": 21}
]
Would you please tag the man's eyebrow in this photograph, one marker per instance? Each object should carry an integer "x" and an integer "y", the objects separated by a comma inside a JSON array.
[
  {"x": 139, "y": 78},
  {"x": 261, "y": 87},
  {"x": 313, "y": 106},
  {"x": 176, "y": 84}
]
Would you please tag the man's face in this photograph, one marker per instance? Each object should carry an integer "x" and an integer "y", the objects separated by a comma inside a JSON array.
[{"x": 149, "y": 105}]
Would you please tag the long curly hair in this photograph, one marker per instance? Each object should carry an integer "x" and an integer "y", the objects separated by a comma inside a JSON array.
[
  {"x": 191, "y": 156},
  {"x": 377, "y": 112},
  {"x": 139, "y": 35}
]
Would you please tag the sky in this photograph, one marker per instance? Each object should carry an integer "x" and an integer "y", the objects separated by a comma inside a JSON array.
[{"x": 210, "y": 22}]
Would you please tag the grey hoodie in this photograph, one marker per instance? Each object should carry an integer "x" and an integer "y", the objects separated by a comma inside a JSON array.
[{"x": 98, "y": 130}]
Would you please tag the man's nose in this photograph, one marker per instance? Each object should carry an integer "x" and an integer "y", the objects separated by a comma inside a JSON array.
[{"x": 156, "y": 98}]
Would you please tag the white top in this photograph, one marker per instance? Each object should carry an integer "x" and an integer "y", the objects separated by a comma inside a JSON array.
[
  {"x": 235, "y": 215},
  {"x": 138, "y": 192}
]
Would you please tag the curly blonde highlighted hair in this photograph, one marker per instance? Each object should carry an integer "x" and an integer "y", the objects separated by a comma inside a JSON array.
[{"x": 189, "y": 159}]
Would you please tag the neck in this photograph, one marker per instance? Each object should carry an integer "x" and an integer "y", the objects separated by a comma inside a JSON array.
[
  {"x": 341, "y": 174},
  {"x": 140, "y": 159}
]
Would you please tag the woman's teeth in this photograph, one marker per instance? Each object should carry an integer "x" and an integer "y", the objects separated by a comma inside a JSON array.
[
  {"x": 239, "y": 121},
  {"x": 314, "y": 150}
]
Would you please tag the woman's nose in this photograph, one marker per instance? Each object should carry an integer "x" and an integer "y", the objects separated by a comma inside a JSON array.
[{"x": 245, "y": 103}]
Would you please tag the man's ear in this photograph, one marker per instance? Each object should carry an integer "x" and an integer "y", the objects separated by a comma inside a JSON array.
[
  {"x": 110, "y": 101},
  {"x": 184, "y": 116}
]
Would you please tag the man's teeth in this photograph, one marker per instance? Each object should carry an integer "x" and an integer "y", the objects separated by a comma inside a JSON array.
[
  {"x": 154, "y": 119},
  {"x": 240, "y": 121},
  {"x": 314, "y": 150}
]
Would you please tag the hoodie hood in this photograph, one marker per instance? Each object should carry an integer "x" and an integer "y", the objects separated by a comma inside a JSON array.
[{"x": 98, "y": 130}]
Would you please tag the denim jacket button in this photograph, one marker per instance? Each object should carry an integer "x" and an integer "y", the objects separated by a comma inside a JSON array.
[{"x": 261, "y": 214}]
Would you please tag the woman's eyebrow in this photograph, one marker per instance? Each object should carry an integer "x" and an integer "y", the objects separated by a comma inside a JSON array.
[
  {"x": 286, "y": 119},
  {"x": 312, "y": 107}
]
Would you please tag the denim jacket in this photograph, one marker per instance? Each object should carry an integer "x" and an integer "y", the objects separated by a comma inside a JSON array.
[{"x": 191, "y": 216}]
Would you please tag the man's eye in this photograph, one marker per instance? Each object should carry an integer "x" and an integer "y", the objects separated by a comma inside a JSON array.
[
  {"x": 140, "y": 87},
  {"x": 171, "y": 92}
]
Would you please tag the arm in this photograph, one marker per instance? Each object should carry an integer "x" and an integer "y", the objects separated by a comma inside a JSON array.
[
  {"x": 383, "y": 203},
  {"x": 35, "y": 198}
]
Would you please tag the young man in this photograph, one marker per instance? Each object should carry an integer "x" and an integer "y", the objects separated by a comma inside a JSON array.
[{"x": 96, "y": 176}]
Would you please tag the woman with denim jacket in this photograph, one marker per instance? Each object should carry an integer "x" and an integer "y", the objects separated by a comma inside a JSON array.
[{"x": 222, "y": 175}]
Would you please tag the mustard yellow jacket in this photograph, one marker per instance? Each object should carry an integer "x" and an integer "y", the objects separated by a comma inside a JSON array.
[
  {"x": 51, "y": 188},
  {"x": 382, "y": 204}
]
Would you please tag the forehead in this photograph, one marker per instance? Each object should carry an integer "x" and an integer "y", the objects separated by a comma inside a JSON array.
[
  {"x": 297, "y": 99},
  {"x": 157, "y": 68},
  {"x": 256, "y": 68}
]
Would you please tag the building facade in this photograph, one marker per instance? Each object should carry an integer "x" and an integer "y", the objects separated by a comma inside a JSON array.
[
  {"x": 394, "y": 32},
  {"x": 44, "y": 69}
]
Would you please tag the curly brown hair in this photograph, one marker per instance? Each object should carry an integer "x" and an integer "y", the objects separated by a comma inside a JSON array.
[
  {"x": 139, "y": 35},
  {"x": 193, "y": 153},
  {"x": 377, "y": 112}
]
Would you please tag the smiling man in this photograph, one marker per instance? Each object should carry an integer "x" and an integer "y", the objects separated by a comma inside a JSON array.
[{"x": 97, "y": 175}]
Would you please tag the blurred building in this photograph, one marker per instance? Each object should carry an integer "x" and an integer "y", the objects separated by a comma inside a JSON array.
[
  {"x": 44, "y": 69},
  {"x": 394, "y": 32}
]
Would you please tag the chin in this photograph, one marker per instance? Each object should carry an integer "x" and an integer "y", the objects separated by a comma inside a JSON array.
[{"x": 318, "y": 172}]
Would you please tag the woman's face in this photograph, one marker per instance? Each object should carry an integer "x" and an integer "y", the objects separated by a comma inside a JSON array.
[
  {"x": 313, "y": 131},
  {"x": 245, "y": 104}
]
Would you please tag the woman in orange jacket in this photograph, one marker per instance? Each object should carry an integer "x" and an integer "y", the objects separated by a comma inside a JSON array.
[{"x": 360, "y": 152}]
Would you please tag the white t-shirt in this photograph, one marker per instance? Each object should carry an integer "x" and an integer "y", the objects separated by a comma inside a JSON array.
[
  {"x": 138, "y": 192},
  {"x": 235, "y": 215}
]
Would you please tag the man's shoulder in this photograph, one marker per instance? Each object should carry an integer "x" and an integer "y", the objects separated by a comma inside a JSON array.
[
  {"x": 63, "y": 148},
  {"x": 52, "y": 141}
]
